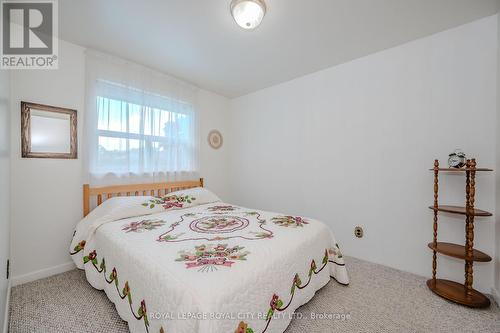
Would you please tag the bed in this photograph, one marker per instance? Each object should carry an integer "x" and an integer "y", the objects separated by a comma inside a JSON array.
[{"x": 173, "y": 258}]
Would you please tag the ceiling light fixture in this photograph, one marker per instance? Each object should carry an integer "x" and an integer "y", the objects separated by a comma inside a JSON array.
[{"x": 248, "y": 13}]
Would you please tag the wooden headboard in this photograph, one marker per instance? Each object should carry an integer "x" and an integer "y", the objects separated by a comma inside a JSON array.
[{"x": 154, "y": 189}]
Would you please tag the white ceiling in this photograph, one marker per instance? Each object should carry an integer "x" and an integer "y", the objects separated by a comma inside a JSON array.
[{"x": 198, "y": 41}]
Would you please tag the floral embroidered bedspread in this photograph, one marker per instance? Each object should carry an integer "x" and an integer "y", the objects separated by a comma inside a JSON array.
[{"x": 189, "y": 263}]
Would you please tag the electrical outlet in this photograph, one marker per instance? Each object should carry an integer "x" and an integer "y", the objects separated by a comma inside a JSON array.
[{"x": 358, "y": 232}]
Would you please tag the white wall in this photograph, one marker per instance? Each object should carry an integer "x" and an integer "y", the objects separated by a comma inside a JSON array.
[
  {"x": 4, "y": 188},
  {"x": 349, "y": 145},
  {"x": 352, "y": 145},
  {"x": 496, "y": 291},
  {"x": 214, "y": 167},
  {"x": 47, "y": 193}
]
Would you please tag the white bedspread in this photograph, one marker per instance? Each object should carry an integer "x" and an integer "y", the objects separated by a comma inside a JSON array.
[{"x": 189, "y": 263}]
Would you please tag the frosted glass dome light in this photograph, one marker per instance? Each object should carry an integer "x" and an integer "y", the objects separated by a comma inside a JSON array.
[{"x": 248, "y": 13}]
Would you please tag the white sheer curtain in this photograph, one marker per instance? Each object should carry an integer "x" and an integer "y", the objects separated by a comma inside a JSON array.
[{"x": 140, "y": 125}]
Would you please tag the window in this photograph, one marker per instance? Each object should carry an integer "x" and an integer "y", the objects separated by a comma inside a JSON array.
[
  {"x": 139, "y": 133},
  {"x": 140, "y": 124}
]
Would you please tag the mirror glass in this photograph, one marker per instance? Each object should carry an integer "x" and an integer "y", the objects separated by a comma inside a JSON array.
[{"x": 50, "y": 132}]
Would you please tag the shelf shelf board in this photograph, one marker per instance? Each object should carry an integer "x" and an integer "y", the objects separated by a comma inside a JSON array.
[
  {"x": 458, "y": 251},
  {"x": 461, "y": 169},
  {"x": 457, "y": 293},
  {"x": 459, "y": 210}
]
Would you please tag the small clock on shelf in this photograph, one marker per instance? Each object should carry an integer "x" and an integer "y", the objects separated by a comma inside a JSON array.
[{"x": 457, "y": 159}]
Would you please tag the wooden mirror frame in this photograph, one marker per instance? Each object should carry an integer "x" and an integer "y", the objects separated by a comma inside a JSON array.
[{"x": 26, "y": 132}]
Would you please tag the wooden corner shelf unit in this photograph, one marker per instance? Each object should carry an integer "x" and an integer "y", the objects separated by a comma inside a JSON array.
[{"x": 459, "y": 293}]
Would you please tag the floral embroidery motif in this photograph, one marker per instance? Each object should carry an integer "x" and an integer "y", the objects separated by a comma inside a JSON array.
[
  {"x": 208, "y": 257},
  {"x": 143, "y": 225},
  {"x": 124, "y": 293},
  {"x": 80, "y": 246},
  {"x": 172, "y": 237},
  {"x": 219, "y": 224},
  {"x": 276, "y": 304},
  {"x": 243, "y": 328},
  {"x": 260, "y": 234},
  {"x": 218, "y": 227},
  {"x": 170, "y": 201},
  {"x": 289, "y": 221},
  {"x": 224, "y": 208}
]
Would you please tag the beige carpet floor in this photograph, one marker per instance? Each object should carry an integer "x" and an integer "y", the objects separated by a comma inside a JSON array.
[{"x": 379, "y": 299}]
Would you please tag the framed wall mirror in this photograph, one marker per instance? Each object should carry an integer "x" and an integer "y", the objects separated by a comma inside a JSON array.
[{"x": 48, "y": 131}]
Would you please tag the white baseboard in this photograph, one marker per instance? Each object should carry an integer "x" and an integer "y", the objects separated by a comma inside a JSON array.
[
  {"x": 43, "y": 273},
  {"x": 496, "y": 295},
  {"x": 5, "y": 328}
]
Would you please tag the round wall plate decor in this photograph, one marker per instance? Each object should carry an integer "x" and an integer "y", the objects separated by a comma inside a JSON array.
[{"x": 215, "y": 139}]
